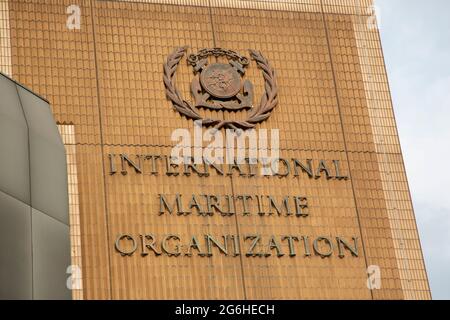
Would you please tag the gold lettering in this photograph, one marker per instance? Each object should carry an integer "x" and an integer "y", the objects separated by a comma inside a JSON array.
[
  {"x": 170, "y": 166},
  {"x": 126, "y": 160},
  {"x": 250, "y": 252},
  {"x": 165, "y": 248},
  {"x": 212, "y": 202},
  {"x": 219, "y": 169},
  {"x": 337, "y": 167},
  {"x": 273, "y": 204},
  {"x": 273, "y": 244},
  {"x": 251, "y": 165},
  {"x": 192, "y": 166},
  {"x": 260, "y": 205},
  {"x": 123, "y": 252},
  {"x": 236, "y": 245},
  {"x": 306, "y": 246},
  {"x": 291, "y": 240},
  {"x": 235, "y": 166},
  {"x": 301, "y": 204},
  {"x": 194, "y": 204},
  {"x": 323, "y": 168},
  {"x": 164, "y": 204},
  {"x": 244, "y": 199},
  {"x": 151, "y": 245},
  {"x": 231, "y": 207},
  {"x": 153, "y": 159},
  {"x": 210, "y": 240},
  {"x": 287, "y": 166},
  {"x": 112, "y": 166},
  {"x": 317, "y": 247},
  {"x": 304, "y": 168},
  {"x": 194, "y": 244},
  {"x": 342, "y": 245}
]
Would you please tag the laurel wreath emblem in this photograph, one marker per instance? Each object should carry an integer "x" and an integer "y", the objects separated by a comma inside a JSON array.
[{"x": 257, "y": 115}]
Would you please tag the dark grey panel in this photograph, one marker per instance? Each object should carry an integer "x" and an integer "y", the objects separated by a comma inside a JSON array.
[
  {"x": 48, "y": 168},
  {"x": 51, "y": 257},
  {"x": 39, "y": 116},
  {"x": 15, "y": 249},
  {"x": 14, "y": 159}
]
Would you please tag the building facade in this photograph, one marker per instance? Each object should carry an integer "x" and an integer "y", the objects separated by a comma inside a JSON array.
[
  {"x": 336, "y": 222},
  {"x": 34, "y": 211}
]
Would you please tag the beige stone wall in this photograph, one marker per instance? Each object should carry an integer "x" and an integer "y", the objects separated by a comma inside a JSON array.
[{"x": 334, "y": 104}]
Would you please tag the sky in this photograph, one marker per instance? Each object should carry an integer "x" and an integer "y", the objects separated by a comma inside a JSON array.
[{"x": 416, "y": 42}]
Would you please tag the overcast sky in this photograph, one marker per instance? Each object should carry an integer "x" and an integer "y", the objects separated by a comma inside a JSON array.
[{"x": 416, "y": 42}]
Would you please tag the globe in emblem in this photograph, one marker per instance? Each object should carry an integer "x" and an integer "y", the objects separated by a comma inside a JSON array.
[
  {"x": 221, "y": 80},
  {"x": 222, "y": 87}
]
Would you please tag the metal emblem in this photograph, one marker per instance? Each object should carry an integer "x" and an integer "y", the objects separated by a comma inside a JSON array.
[
  {"x": 221, "y": 86},
  {"x": 220, "y": 80}
]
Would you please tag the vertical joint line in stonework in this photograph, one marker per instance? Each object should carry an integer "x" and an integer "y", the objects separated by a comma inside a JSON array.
[
  {"x": 212, "y": 23},
  {"x": 101, "y": 143},
  {"x": 231, "y": 178},
  {"x": 343, "y": 134},
  {"x": 238, "y": 231}
]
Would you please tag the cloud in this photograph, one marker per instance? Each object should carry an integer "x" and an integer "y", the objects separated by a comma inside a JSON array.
[{"x": 413, "y": 33}]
